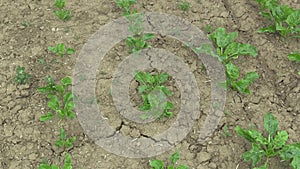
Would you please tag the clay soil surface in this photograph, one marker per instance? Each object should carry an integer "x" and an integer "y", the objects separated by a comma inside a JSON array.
[{"x": 28, "y": 27}]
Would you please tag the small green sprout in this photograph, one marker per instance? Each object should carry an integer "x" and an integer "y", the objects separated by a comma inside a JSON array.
[
  {"x": 62, "y": 13},
  {"x": 153, "y": 93},
  {"x": 295, "y": 57},
  {"x": 67, "y": 164},
  {"x": 159, "y": 164},
  {"x": 272, "y": 145},
  {"x": 285, "y": 20},
  {"x": 138, "y": 43},
  {"x": 126, "y": 6},
  {"x": 61, "y": 50},
  {"x": 184, "y": 5},
  {"x": 21, "y": 76},
  {"x": 63, "y": 141},
  {"x": 60, "y": 99},
  {"x": 228, "y": 50}
]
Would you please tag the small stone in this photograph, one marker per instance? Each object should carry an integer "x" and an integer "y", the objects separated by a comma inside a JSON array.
[
  {"x": 203, "y": 156},
  {"x": 125, "y": 130}
]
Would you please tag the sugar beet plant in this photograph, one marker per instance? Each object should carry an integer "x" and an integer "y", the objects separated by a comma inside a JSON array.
[
  {"x": 61, "y": 50},
  {"x": 159, "y": 164},
  {"x": 126, "y": 5},
  {"x": 274, "y": 144},
  {"x": 67, "y": 164},
  {"x": 154, "y": 94},
  {"x": 138, "y": 40},
  {"x": 62, "y": 13},
  {"x": 295, "y": 57},
  {"x": 21, "y": 76},
  {"x": 285, "y": 20},
  {"x": 63, "y": 141},
  {"x": 227, "y": 51},
  {"x": 60, "y": 99}
]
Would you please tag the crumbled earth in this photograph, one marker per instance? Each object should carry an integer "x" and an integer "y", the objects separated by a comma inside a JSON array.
[{"x": 29, "y": 27}]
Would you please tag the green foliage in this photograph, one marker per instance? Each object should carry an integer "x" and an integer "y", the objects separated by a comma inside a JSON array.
[
  {"x": 64, "y": 141},
  {"x": 60, "y": 99},
  {"x": 126, "y": 6},
  {"x": 184, "y": 5},
  {"x": 67, "y": 164},
  {"x": 159, "y": 164},
  {"x": 295, "y": 57},
  {"x": 21, "y": 76},
  {"x": 138, "y": 40},
  {"x": 228, "y": 50},
  {"x": 138, "y": 43},
  {"x": 154, "y": 93},
  {"x": 61, "y": 50},
  {"x": 285, "y": 20},
  {"x": 62, "y": 13},
  {"x": 272, "y": 145}
]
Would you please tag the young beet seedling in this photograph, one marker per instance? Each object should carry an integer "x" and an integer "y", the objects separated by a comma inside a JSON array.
[
  {"x": 285, "y": 20},
  {"x": 62, "y": 13},
  {"x": 272, "y": 145},
  {"x": 64, "y": 141},
  {"x": 60, "y": 99},
  {"x": 184, "y": 5},
  {"x": 138, "y": 40},
  {"x": 150, "y": 84},
  {"x": 137, "y": 43},
  {"x": 61, "y": 50},
  {"x": 67, "y": 164},
  {"x": 21, "y": 76},
  {"x": 126, "y": 6},
  {"x": 159, "y": 164},
  {"x": 228, "y": 50},
  {"x": 295, "y": 57}
]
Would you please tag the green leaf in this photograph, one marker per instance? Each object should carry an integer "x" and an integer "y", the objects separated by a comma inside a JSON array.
[
  {"x": 70, "y": 51},
  {"x": 66, "y": 81},
  {"x": 182, "y": 167},
  {"x": 270, "y": 124},
  {"x": 167, "y": 91},
  {"x": 294, "y": 57},
  {"x": 255, "y": 154},
  {"x": 68, "y": 97},
  {"x": 162, "y": 78},
  {"x": 247, "y": 49},
  {"x": 296, "y": 162},
  {"x": 68, "y": 163},
  {"x": 142, "y": 88},
  {"x": 245, "y": 134},
  {"x": 47, "y": 117},
  {"x": 157, "y": 164},
  {"x": 221, "y": 38},
  {"x": 53, "y": 103},
  {"x": 269, "y": 29},
  {"x": 59, "y": 88},
  {"x": 243, "y": 84},
  {"x": 232, "y": 71},
  {"x": 280, "y": 140},
  {"x": 169, "y": 106},
  {"x": 231, "y": 50},
  {"x": 148, "y": 36},
  {"x": 207, "y": 49},
  {"x": 174, "y": 157},
  {"x": 294, "y": 19},
  {"x": 290, "y": 151}
]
